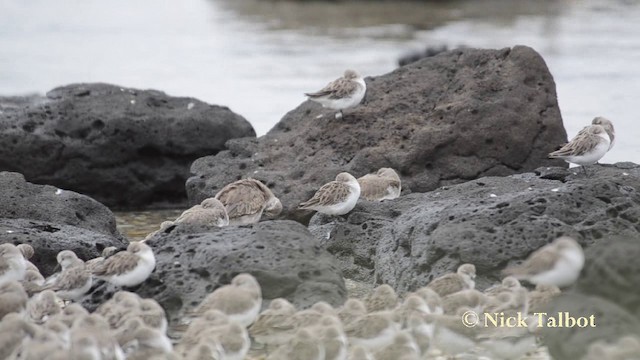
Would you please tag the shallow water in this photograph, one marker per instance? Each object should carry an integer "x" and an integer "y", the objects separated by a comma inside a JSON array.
[{"x": 259, "y": 56}]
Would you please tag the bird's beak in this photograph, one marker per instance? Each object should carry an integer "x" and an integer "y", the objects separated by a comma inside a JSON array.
[{"x": 57, "y": 269}]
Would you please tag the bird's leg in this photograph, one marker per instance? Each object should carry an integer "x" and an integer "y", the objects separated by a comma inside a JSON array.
[{"x": 585, "y": 170}]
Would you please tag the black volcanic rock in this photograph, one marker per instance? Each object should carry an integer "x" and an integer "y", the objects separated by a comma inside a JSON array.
[
  {"x": 490, "y": 222},
  {"x": 457, "y": 116},
  {"x": 52, "y": 220},
  {"x": 126, "y": 148},
  {"x": 191, "y": 262}
]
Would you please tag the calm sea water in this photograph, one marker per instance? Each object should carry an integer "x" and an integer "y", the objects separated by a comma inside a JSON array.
[{"x": 259, "y": 56}]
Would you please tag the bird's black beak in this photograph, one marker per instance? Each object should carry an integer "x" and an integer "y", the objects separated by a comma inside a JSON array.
[{"x": 57, "y": 269}]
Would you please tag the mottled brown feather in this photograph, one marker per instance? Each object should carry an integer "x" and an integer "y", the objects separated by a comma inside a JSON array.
[
  {"x": 373, "y": 187},
  {"x": 330, "y": 193},
  {"x": 539, "y": 261},
  {"x": 244, "y": 197},
  {"x": 336, "y": 89},
  {"x": 119, "y": 263},
  {"x": 585, "y": 141}
]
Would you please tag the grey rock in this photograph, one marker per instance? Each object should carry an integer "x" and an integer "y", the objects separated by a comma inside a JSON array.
[
  {"x": 570, "y": 343},
  {"x": 191, "y": 263},
  {"x": 124, "y": 147},
  {"x": 52, "y": 220},
  {"x": 48, "y": 239},
  {"x": 491, "y": 222},
  {"x": 20, "y": 199},
  {"x": 454, "y": 117},
  {"x": 612, "y": 267}
]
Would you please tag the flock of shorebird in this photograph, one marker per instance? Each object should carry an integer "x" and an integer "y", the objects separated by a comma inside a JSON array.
[{"x": 41, "y": 318}]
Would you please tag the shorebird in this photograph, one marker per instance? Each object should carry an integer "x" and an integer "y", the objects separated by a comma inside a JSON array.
[
  {"x": 240, "y": 301},
  {"x": 42, "y": 306},
  {"x": 382, "y": 298},
  {"x": 541, "y": 296},
  {"x": 334, "y": 342},
  {"x": 13, "y": 298},
  {"x": 385, "y": 184},
  {"x": 302, "y": 346},
  {"x": 32, "y": 281},
  {"x": 462, "y": 279},
  {"x": 433, "y": 300},
  {"x": 337, "y": 197},
  {"x": 373, "y": 331},
  {"x": 469, "y": 298},
  {"x": 267, "y": 327},
  {"x": 586, "y": 148},
  {"x": 247, "y": 200},
  {"x": 402, "y": 347},
  {"x": 558, "y": 263},
  {"x": 128, "y": 268},
  {"x": 210, "y": 212},
  {"x": 352, "y": 310},
  {"x": 342, "y": 93},
  {"x": 106, "y": 252},
  {"x": 13, "y": 265},
  {"x": 608, "y": 127},
  {"x": 73, "y": 281},
  {"x": 412, "y": 303},
  {"x": 360, "y": 353}
]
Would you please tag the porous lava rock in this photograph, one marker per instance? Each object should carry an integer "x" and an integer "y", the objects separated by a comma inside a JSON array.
[
  {"x": 450, "y": 118},
  {"x": 127, "y": 148},
  {"x": 491, "y": 222}
]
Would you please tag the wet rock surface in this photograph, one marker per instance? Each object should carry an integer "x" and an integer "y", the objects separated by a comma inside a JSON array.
[
  {"x": 454, "y": 117},
  {"x": 568, "y": 343},
  {"x": 285, "y": 258},
  {"x": 124, "y": 147},
  {"x": 491, "y": 222},
  {"x": 52, "y": 220}
]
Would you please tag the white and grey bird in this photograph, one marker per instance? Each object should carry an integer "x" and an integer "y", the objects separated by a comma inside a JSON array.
[
  {"x": 341, "y": 94},
  {"x": 303, "y": 346},
  {"x": 541, "y": 296},
  {"x": 13, "y": 265},
  {"x": 462, "y": 279},
  {"x": 586, "y": 148},
  {"x": 352, "y": 310},
  {"x": 247, "y": 200},
  {"x": 267, "y": 329},
  {"x": 373, "y": 331},
  {"x": 13, "y": 298},
  {"x": 91, "y": 264},
  {"x": 403, "y": 347},
  {"x": 73, "y": 281},
  {"x": 558, "y": 263},
  {"x": 383, "y": 297},
  {"x": 240, "y": 301},
  {"x": 127, "y": 268},
  {"x": 337, "y": 197},
  {"x": 210, "y": 212},
  {"x": 43, "y": 306},
  {"x": 608, "y": 127},
  {"x": 385, "y": 184}
]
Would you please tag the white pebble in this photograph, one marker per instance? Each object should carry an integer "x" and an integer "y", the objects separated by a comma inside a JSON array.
[
  {"x": 493, "y": 195},
  {"x": 555, "y": 190},
  {"x": 625, "y": 174},
  {"x": 190, "y": 106},
  {"x": 133, "y": 101},
  {"x": 59, "y": 191}
]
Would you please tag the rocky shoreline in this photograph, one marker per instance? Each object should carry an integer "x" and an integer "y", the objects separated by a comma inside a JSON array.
[{"x": 468, "y": 130}]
